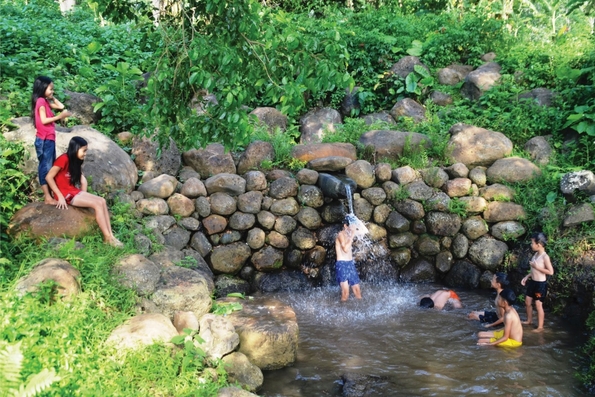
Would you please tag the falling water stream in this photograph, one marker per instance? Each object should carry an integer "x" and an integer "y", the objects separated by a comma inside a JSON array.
[{"x": 418, "y": 352}]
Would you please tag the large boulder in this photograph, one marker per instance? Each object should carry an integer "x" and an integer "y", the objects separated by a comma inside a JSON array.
[
  {"x": 143, "y": 330},
  {"x": 63, "y": 274},
  {"x": 239, "y": 369},
  {"x": 540, "y": 96},
  {"x": 390, "y": 144},
  {"x": 512, "y": 170},
  {"x": 162, "y": 187},
  {"x": 406, "y": 65},
  {"x": 210, "y": 161},
  {"x": 149, "y": 156},
  {"x": 254, "y": 155},
  {"x": 487, "y": 252},
  {"x": 271, "y": 118},
  {"x": 81, "y": 105},
  {"x": 312, "y": 151},
  {"x": 139, "y": 273},
  {"x": 42, "y": 220},
  {"x": 314, "y": 123},
  {"x": 407, "y": 107},
  {"x": 218, "y": 336},
  {"x": 474, "y": 146},
  {"x": 419, "y": 271},
  {"x": 583, "y": 181},
  {"x": 539, "y": 149},
  {"x": 579, "y": 214},
  {"x": 107, "y": 166},
  {"x": 453, "y": 74},
  {"x": 463, "y": 274},
  {"x": 181, "y": 289},
  {"x": 268, "y": 332},
  {"x": 481, "y": 80}
]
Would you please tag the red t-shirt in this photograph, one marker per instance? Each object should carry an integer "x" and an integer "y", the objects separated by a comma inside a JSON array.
[
  {"x": 63, "y": 177},
  {"x": 44, "y": 131}
]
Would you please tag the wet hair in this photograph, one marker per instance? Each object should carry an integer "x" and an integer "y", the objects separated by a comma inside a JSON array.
[
  {"x": 74, "y": 163},
  {"x": 348, "y": 220},
  {"x": 539, "y": 238},
  {"x": 502, "y": 279},
  {"x": 426, "y": 303},
  {"x": 39, "y": 87},
  {"x": 508, "y": 295}
]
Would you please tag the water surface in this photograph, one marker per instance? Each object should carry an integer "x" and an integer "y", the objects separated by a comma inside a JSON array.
[{"x": 419, "y": 352}]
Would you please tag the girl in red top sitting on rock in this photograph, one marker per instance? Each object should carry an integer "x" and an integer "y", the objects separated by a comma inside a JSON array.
[{"x": 69, "y": 186}]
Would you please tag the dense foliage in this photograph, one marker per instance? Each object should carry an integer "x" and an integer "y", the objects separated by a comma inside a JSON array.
[{"x": 195, "y": 76}]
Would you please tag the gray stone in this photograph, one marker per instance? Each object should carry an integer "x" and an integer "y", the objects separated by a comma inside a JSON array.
[
  {"x": 406, "y": 65},
  {"x": 400, "y": 257},
  {"x": 239, "y": 369},
  {"x": 380, "y": 117},
  {"x": 203, "y": 207},
  {"x": 241, "y": 221},
  {"x": 441, "y": 98},
  {"x": 397, "y": 223},
  {"x": 381, "y": 213},
  {"x": 407, "y": 107},
  {"x": 427, "y": 245},
  {"x": 579, "y": 214},
  {"x": 443, "y": 224},
  {"x": 180, "y": 205},
  {"x": 59, "y": 271},
  {"x": 271, "y": 118},
  {"x": 444, "y": 261},
  {"x": 404, "y": 175},
  {"x": 474, "y": 227},
  {"x": 277, "y": 240},
  {"x": 539, "y": 149},
  {"x": 439, "y": 201},
  {"x": 250, "y": 202},
  {"x": 268, "y": 259},
  {"x": 497, "y": 192},
  {"x": 314, "y": 123},
  {"x": 362, "y": 173},
  {"x": 193, "y": 188},
  {"x": 309, "y": 218},
  {"x": 419, "y": 191},
  {"x": 502, "y": 211},
  {"x": 457, "y": 170},
  {"x": 229, "y": 259},
  {"x": 192, "y": 224},
  {"x": 218, "y": 336},
  {"x": 142, "y": 330},
  {"x": 283, "y": 188},
  {"x": 222, "y": 204},
  {"x": 390, "y": 144},
  {"x": 311, "y": 196},
  {"x": 487, "y": 253},
  {"x": 418, "y": 271},
  {"x": 583, "y": 181},
  {"x": 225, "y": 284},
  {"x": 331, "y": 163},
  {"x": 507, "y": 230},
  {"x": 383, "y": 172},
  {"x": 231, "y": 184},
  {"x": 540, "y": 96},
  {"x": 410, "y": 209},
  {"x": 303, "y": 238},
  {"x": 266, "y": 219},
  {"x": 481, "y": 80},
  {"x": 453, "y": 74},
  {"x": 434, "y": 177},
  {"x": 210, "y": 161},
  {"x": 152, "y": 206},
  {"x": 254, "y": 155},
  {"x": 255, "y": 180},
  {"x": 460, "y": 246},
  {"x": 362, "y": 209},
  {"x": 288, "y": 206},
  {"x": 201, "y": 244},
  {"x": 162, "y": 186},
  {"x": 512, "y": 170},
  {"x": 473, "y": 146},
  {"x": 478, "y": 176},
  {"x": 255, "y": 238},
  {"x": 463, "y": 274},
  {"x": 177, "y": 237},
  {"x": 149, "y": 156},
  {"x": 181, "y": 289},
  {"x": 307, "y": 177}
]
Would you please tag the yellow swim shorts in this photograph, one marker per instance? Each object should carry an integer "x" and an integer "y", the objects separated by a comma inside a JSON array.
[{"x": 507, "y": 343}]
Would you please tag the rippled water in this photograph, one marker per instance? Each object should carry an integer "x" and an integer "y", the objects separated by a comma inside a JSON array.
[{"x": 418, "y": 352}]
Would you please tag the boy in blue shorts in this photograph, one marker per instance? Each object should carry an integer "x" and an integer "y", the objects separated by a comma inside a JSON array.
[{"x": 345, "y": 265}]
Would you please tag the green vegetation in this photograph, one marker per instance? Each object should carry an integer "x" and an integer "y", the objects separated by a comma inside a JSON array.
[{"x": 295, "y": 55}]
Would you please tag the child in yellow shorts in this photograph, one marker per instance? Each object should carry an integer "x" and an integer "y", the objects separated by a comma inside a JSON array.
[{"x": 512, "y": 334}]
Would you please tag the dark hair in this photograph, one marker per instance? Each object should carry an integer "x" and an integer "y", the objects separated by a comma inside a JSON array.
[
  {"x": 39, "y": 87},
  {"x": 502, "y": 279},
  {"x": 348, "y": 220},
  {"x": 539, "y": 238},
  {"x": 74, "y": 163},
  {"x": 426, "y": 303},
  {"x": 508, "y": 295}
]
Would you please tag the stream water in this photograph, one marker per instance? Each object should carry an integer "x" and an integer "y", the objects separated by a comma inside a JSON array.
[{"x": 418, "y": 352}]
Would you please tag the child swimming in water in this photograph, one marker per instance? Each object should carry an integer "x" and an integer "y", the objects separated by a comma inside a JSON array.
[
  {"x": 439, "y": 299},
  {"x": 512, "y": 334}
]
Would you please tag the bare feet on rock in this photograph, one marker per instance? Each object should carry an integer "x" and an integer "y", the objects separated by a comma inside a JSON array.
[
  {"x": 114, "y": 242},
  {"x": 526, "y": 322},
  {"x": 537, "y": 330},
  {"x": 50, "y": 200}
]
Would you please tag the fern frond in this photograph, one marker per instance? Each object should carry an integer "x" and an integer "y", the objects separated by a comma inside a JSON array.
[
  {"x": 11, "y": 362},
  {"x": 37, "y": 383}
]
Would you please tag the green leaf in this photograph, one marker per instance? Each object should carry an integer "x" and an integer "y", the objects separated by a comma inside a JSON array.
[
  {"x": 178, "y": 339},
  {"x": 551, "y": 197},
  {"x": 93, "y": 47},
  {"x": 410, "y": 82}
]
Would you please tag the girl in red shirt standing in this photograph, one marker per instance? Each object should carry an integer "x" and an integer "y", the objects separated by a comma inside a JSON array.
[
  {"x": 42, "y": 103},
  {"x": 69, "y": 186}
]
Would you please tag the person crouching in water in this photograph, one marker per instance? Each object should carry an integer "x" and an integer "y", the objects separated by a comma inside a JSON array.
[
  {"x": 489, "y": 318},
  {"x": 439, "y": 299},
  {"x": 345, "y": 265},
  {"x": 512, "y": 334}
]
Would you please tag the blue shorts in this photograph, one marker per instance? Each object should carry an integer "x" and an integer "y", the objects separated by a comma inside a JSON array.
[
  {"x": 346, "y": 272},
  {"x": 46, "y": 154}
]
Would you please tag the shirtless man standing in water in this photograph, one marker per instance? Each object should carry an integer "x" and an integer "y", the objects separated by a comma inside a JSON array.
[
  {"x": 541, "y": 266},
  {"x": 345, "y": 266}
]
